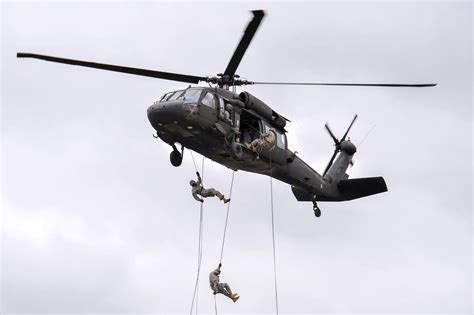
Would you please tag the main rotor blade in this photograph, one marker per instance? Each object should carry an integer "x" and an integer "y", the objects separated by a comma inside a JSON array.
[
  {"x": 103, "y": 66},
  {"x": 244, "y": 42},
  {"x": 330, "y": 162},
  {"x": 347, "y": 84},
  {"x": 336, "y": 141},
  {"x": 347, "y": 131}
]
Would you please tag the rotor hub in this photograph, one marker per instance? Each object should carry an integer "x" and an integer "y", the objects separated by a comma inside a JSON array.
[
  {"x": 348, "y": 147},
  {"x": 228, "y": 80}
]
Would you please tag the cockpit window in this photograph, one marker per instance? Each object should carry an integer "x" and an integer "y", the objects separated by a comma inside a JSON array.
[
  {"x": 175, "y": 95},
  {"x": 165, "y": 97},
  {"x": 191, "y": 95}
]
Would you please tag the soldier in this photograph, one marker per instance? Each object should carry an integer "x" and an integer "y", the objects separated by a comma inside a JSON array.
[
  {"x": 228, "y": 113},
  {"x": 197, "y": 189},
  {"x": 266, "y": 140},
  {"x": 222, "y": 288}
]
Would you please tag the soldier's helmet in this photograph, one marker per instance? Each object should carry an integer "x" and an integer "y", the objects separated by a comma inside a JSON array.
[{"x": 192, "y": 182}]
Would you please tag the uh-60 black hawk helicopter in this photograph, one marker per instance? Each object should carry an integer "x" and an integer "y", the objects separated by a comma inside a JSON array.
[{"x": 216, "y": 122}]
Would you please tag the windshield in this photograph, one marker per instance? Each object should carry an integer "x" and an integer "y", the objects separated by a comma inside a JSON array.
[
  {"x": 165, "y": 97},
  {"x": 175, "y": 95},
  {"x": 191, "y": 95}
]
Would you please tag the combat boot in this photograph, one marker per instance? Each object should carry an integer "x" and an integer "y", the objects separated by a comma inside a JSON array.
[{"x": 235, "y": 297}]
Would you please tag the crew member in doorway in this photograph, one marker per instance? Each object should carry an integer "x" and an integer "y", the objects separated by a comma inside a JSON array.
[
  {"x": 266, "y": 140},
  {"x": 228, "y": 113},
  {"x": 198, "y": 189},
  {"x": 222, "y": 288}
]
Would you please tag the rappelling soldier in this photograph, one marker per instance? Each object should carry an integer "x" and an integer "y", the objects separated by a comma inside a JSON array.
[
  {"x": 198, "y": 189},
  {"x": 222, "y": 288}
]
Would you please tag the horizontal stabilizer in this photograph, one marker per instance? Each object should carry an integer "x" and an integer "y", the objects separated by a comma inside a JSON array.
[{"x": 361, "y": 187}]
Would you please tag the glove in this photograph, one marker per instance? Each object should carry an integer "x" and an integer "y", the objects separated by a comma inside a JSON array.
[
  {"x": 197, "y": 173},
  {"x": 220, "y": 265},
  {"x": 201, "y": 201}
]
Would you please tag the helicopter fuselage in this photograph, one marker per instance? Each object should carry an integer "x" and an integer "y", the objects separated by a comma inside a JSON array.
[{"x": 199, "y": 123}]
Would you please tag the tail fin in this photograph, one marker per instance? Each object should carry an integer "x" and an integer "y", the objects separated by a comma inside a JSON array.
[
  {"x": 361, "y": 187},
  {"x": 337, "y": 170}
]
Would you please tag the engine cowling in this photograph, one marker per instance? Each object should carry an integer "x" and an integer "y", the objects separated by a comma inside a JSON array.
[{"x": 253, "y": 103}]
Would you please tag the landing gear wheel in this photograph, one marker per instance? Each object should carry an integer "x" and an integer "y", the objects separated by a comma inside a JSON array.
[
  {"x": 236, "y": 150},
  {"x": 176, "y": 158},
  {"x": 317, "y": 212}
]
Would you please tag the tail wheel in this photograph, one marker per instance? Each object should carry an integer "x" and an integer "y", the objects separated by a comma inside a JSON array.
[{"x": 317, "y": 212}]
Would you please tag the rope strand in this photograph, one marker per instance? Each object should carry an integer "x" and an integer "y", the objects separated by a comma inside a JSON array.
[
  {"x": 201, "y": 219},
  {"x": 273, "y": 235},
  {"x": 196, "y": 287},
  {"x": 227, "y": 217},
  {"x": 194, "y": 162},
  {"x": 215, "y": 304}
]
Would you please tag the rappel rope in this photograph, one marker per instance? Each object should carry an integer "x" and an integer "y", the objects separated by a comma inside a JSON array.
[
  {"x": 201, "y": 215},
  {"x": 196, "y": 287},
  {"x": 273, "y": 234},
  {"x": 194, "y": 162},
  {"x": 225, "y": 231},
  {"x": 215, "y": 304},
  {"x": 227, "y": 217}
]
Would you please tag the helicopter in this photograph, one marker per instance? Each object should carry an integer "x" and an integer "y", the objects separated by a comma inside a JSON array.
[{"x": 219, "y": 123}]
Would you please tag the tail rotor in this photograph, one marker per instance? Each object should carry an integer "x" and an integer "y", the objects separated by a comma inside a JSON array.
[{"x": 337, "y": 143}]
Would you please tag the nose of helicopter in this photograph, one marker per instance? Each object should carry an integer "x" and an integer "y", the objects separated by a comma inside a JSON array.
[{"x": 163, "y": 113}]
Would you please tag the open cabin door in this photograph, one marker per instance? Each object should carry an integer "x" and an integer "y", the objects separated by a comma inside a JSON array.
[{"x": 253, "y": 126}]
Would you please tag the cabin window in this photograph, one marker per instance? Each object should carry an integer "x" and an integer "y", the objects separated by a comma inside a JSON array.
[
  {"x": 190, "y": 95},
  {"x": 209, "y": 100},
  {"x": 280, "y": 137}
]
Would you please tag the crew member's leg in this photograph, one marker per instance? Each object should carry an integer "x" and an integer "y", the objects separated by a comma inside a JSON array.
[
  {"x": 233, "y": 296},
  {"x": 227, "y": 288},
  {"x": 211, "y": 192},
  {"x": 223, "y": 290}
]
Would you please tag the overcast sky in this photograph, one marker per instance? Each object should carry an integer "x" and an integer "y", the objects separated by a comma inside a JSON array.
[{"x": 95, "y": 219}]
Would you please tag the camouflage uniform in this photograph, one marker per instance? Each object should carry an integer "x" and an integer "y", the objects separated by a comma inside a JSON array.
[
  {"x": 222, "y": 288},
  {"x": 266, "y": 140},
  {"x": 197, "y": 189},
  {"x": 228, "y": 115}
]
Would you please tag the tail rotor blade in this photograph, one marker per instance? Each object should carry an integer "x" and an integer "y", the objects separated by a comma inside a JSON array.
[
  {"x": 347, "y": 131},
  {"x": 336, "y": 141}
]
